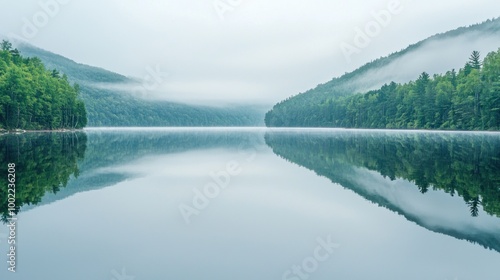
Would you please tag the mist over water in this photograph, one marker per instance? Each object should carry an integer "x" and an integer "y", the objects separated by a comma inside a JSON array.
[
  {"x": 359, "y": 192},
  {"x": 184, "y": 200}
]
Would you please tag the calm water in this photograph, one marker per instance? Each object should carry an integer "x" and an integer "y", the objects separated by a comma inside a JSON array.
[{"x": 243, "y": 204}]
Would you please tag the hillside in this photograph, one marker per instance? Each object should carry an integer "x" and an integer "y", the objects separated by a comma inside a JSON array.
[
  {"x": 108, "y": 107},
  {"x": 33, "y": 97},
  {"x": 465, "y": 100},
  {"x": 436, "y": 54}
]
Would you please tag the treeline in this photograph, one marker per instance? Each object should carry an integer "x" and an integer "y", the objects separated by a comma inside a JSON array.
[
  {"x": 34, "y": 98},
  {"x": 111, "y": 107},
  {"x": 467, "y": 100},
  {"x": 307, "y": 109}
]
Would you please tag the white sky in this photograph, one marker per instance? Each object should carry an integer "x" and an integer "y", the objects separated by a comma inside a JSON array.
[{"x": 261, "y": 51}]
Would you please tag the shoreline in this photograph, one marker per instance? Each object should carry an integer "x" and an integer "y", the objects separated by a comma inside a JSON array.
[
  {"x": 280, "y": 129},
  {"x": 21, "y": 131},
  {"x": 250, "y": 128}
]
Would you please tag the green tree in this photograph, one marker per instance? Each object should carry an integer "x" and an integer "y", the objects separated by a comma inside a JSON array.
[
  {"x": 6, "y": 45},
  {"x": 475, "y": 60},
  {"x": 467, "y": 100},
  {"x": 31, "y": 97}
]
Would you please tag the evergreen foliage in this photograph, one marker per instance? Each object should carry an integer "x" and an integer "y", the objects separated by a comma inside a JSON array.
[
  {"x": 32, "y": 97},
  {"x": 324, "y": 105},
  {"x": 107, "y": 106},
  {"x": 465, "y": 100}
]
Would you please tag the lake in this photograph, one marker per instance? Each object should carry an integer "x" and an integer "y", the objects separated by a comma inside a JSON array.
[{"x": 252, "y": 203}]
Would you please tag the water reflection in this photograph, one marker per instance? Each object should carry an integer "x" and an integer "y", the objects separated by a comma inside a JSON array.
[
  {"x": 463, "y": 165},
  {"x": 107, "y": 149},
  {"x": 123, "y": 209},
  {"x": 44, "y": 163}
]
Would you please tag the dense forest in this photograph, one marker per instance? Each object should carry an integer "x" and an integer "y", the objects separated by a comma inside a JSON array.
[
  {"x": 32, "y": 97},
  {"x": 465, "y": 100},
  {"x": 107, "y": 106},
  {"x": 327, "y": 104},
  {"x": 467, "y": 166}
]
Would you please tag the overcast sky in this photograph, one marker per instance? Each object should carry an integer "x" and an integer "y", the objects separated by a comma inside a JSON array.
[{"x": 239, "y": 50}]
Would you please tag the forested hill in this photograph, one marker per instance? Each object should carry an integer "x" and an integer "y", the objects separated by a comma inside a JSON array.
[
  {"x": 108, "y": 107},
  {"x": 465, "y": 100},
  {"x": 437, "y": 54},
  {"x": 32, "y": 97}
]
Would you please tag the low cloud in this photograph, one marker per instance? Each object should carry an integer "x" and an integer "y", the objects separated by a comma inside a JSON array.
[
  {"x": 261, "y": 52},
  {"x": 433, "y": 57}
]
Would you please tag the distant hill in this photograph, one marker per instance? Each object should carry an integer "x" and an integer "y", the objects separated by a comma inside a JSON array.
[
  {"x": 436, "y": 54},
  {"x": 80, "y": 73},
  {"x": 108, "y": 107}
]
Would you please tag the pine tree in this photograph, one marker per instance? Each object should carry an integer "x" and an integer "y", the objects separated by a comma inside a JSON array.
[{"x": 475, "y": 60}]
